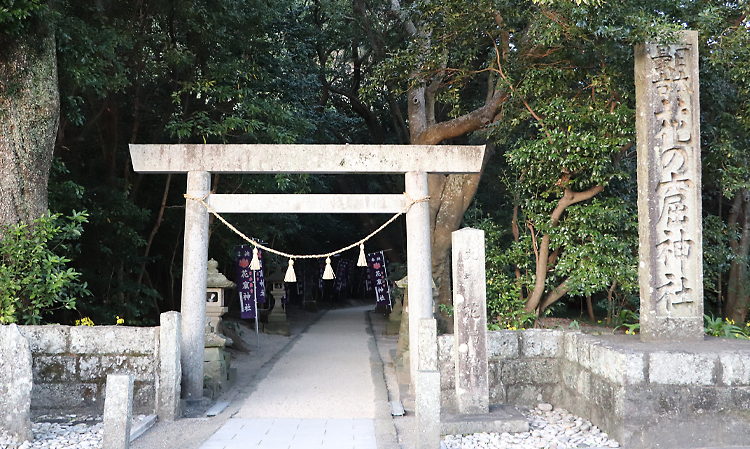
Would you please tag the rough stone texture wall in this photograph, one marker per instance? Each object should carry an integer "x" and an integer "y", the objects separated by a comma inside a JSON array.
[
  {"x": 522, "y": 365},
  {"x": 71, "y": 363},
  {"x": 667, "y": 395}
]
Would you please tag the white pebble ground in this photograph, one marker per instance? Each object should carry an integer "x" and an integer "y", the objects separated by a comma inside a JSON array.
[
  {"x": 63, "y": 432},
  {"x": 548, "y": 429}
]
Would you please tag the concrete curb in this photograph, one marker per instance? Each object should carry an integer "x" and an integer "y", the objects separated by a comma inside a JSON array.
[{"x": 385, "y": 429}]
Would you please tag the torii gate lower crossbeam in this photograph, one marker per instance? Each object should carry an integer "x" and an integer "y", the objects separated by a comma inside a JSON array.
[{"x": 199, "y": 161}]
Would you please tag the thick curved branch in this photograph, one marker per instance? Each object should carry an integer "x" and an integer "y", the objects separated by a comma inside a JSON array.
[
  {"x": 372, "y": 122},
  {"x": 568, "y": 199},
  {"x": 559, "y": 291},
  {"x": 434, "y": 134}
]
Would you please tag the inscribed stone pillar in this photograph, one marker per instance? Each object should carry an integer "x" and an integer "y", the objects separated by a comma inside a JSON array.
[
  {"x": 15, "y": 383},
  {"x": 118, "y": 411},
  {"x": 470, "y": 321},
  {"x": 168, "y": 407},
  {"x": 669, "y": 190},
  {"x": 194, "y": 260},
  {"x": 419, "y": 262}
]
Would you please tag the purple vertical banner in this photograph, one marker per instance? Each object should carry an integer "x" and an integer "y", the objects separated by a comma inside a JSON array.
[
  {"x": 342, "y": 274},
  {"x": 251, "y": 284},
  {"x": 350, "y": 274},
  {"x": 368, "y": 279},
  {"x": 378, "y": 273},
  {"x": 321, "y": 270}
]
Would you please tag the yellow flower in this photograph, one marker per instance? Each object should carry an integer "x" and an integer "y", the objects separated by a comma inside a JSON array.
[
  {"x": 600, "y": 321},
  {"x": 86, "y": 321},
  {"x": 120, "y": 320}
]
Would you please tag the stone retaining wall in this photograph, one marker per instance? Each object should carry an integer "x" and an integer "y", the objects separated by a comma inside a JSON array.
[
  {"x": 679, "y": 395},
  {"x": 71, "y": 363},
  {"x": 522, "y": 365}
]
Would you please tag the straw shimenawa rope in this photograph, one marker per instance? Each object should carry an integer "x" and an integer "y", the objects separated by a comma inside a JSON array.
[{"x": 307, "y": 256}]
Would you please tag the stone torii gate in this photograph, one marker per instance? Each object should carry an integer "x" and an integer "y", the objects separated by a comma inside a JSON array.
[{"x": 199, "y": 161}]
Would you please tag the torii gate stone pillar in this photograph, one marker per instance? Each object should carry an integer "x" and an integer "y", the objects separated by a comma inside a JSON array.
[
  {"x": 199, "y": 161},
  {"x": 194, "y": 268}
]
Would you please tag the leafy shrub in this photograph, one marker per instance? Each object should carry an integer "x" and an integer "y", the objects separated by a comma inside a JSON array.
[
  {"x": 725, "y": 328},
  {"x": 34, "y": 278},
  {"x": 504, "y": 301},
  {"x": 629, "y": 320}
]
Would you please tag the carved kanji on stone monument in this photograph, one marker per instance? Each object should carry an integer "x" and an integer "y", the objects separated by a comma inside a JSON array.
[{"x": 669, "y": 208}]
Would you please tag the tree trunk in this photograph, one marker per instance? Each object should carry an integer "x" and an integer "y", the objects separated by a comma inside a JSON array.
[
  {"x": 732, "y": 220},
  {"x": 450, "y": 195},
  {"x": 590, "y": 308},
  {"x": 738, "y": 293},
  {"x": 29, "y": 116}
]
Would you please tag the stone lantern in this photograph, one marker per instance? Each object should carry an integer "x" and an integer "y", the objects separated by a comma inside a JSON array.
[
  {"x": 216, "y": 284},
  {"x": 277, "y": 323},
  {"x": 218, "y": 375}
]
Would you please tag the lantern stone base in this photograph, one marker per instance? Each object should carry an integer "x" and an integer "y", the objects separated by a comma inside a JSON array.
[
  {"x": 277, "y": 324},
  {"x": 216, "y": 371},
  {"x": 277, "y": 328}
]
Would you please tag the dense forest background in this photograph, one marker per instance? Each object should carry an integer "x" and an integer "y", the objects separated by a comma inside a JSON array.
[{"x": 547, "y": 85}]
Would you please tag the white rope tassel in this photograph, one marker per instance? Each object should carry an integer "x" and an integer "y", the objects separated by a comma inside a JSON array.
[
  {"x": 290, "y": 276},
  {"x": 362, "y": 261},
  {"x": 328, "y": 273},
  {"x": 255, "y": 263}
]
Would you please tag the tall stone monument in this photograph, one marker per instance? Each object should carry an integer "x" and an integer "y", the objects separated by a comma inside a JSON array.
[
  {"x": 669, "y": 195},
  {"x": 470, "y": 321}
]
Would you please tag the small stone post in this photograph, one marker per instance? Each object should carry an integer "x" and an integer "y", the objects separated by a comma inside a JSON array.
[
  {"x": 168, "y": 404},
  {"x": 669, "y": 190},
  {"x": 194, "y": 269},
  {"x": 15, "y": 383},
  {"x": 118, "y": 411},
  {"x": 470, "y": 321},
  {"x": 428, "y": 387}
]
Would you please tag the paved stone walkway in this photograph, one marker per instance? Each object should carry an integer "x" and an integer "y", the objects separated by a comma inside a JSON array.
[
  {"x": 320, "y": 394},
  {"x": 289, "y": 433}
]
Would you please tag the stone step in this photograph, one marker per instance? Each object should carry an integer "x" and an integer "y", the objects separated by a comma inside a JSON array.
[{"x": 501, "y": 418}]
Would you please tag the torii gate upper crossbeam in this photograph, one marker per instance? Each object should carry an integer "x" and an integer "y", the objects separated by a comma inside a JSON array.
[{"x": 329, "y": 159}]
